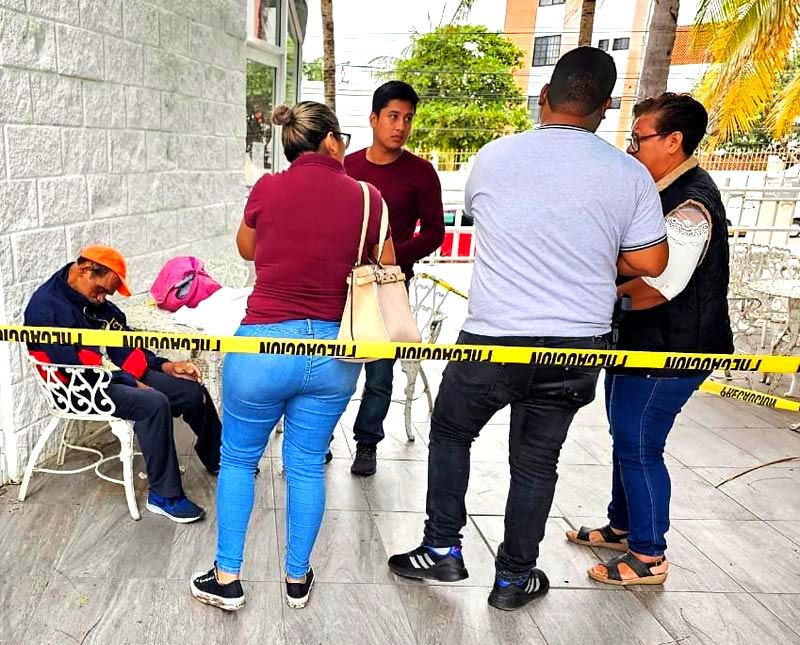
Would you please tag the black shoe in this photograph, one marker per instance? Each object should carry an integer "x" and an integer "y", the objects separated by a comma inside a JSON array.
[
  {"x": 329, "y": 454},
  {"x": 207, "y": 589},
  {"x": 366, "y": 462},
  {"x": 297, "y": 592},
  {"x": 424, "y": 563},
  {"x": 513, "y": 594}
]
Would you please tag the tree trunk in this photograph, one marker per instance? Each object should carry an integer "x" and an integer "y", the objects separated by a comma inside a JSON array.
[
  {"x": 658, "y": 52},
  {"x": 328, "y": 54},
  {"x": 587, "y": 23}
]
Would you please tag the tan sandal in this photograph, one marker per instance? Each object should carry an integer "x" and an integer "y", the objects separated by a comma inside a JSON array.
[
  {"x": 608, "y": 539},
  {"x": 643, "y": 571}
]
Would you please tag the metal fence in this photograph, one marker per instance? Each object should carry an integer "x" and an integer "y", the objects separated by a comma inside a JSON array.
[
  {"x": 764, "y": 215},
  {"x": 447, "y": 160},
  {"x": 755, "y": 160}
]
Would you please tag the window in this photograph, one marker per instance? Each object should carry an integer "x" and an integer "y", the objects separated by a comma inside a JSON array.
[
  {"x": 259, "y": 102},
  {"x": 550, "y": 3},
  {"x": 266, "y": 21},
  {"x": 616, "y": 101},
  {"x": 621, "y": 43},
  {"x": 603, "y": 44},
  {"x": 546, "y": 50},
  {"x": 292, "y": 69}
]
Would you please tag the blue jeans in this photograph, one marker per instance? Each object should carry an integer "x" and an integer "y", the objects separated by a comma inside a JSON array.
[
  {"x": 641, "y": 411},
  {"x": 375, "y": 402},
  {"x": 311, "y": 394}
]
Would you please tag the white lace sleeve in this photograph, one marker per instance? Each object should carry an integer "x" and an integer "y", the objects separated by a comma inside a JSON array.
[{"x": 688, "y": 232}]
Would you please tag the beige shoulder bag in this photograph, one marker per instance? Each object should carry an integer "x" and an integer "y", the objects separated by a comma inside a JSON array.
[{"x": 377, "y": 307}]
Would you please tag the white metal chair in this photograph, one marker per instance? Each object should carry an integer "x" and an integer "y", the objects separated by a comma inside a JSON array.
[
  {"x": 79, "y": 393},
  {"x": 427, "y": 295}
]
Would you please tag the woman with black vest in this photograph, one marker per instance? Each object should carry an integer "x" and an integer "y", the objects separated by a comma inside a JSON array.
[{"x": 684, "y": 309}]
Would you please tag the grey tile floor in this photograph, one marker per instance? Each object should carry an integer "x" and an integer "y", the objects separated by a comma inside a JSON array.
[{"x": 78, "y": 570}]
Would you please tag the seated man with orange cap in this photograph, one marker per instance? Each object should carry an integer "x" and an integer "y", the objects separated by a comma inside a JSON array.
[{"x": 145, "y": 388}]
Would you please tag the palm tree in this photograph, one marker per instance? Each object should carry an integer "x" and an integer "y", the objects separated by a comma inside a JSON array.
[
  {"x": 751, "y": 46},
  {"x": 328, "y": 54},
  {"x": 462, "y": 11},
  {"x": 587, "y": 23},
  {"x": 658, "y": 52}
]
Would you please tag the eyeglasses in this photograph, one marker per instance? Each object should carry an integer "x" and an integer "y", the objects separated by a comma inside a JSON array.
[
  {"x": 344, "y": 137},
  {"x": 634, "y": 141}
]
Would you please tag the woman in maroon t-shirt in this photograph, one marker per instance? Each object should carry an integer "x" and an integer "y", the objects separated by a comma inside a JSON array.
[{"x": 302, "y": 228}]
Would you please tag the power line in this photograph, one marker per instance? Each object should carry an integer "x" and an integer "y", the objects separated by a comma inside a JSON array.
[
  {"x": 524, "y": 32},
  {"x": 436, "y": 70}
]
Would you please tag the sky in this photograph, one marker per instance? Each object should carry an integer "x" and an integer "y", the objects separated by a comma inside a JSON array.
[{"x": 367, "y": 30}]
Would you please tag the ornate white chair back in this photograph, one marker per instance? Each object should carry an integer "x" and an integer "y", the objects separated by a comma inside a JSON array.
[{"x": 75, "y": 391}]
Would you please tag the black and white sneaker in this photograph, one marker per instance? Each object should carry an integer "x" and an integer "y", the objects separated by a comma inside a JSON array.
[
  {"x": 207, "y": 589},
  {"x": 423, "y": 563},
  {"x": 513, "y": 594},
  {"x": 297, "y": 593}
]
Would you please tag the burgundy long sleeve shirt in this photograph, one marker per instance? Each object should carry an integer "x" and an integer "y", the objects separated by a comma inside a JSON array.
[{"x": 413, "y": 193}]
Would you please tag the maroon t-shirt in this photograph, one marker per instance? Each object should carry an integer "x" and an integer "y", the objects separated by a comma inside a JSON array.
[
  {"x": 413, "y": 193},
  {"x": 308, "y": 225}
]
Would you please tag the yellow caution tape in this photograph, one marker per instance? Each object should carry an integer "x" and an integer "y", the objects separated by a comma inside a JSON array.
[
  {"x": 571, "y": 357},
  {"x": 749, "y": 396},
  {"x": 445, "y": 285}
]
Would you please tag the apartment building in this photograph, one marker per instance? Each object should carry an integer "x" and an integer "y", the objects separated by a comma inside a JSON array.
[{"x": 546, "y": 29}]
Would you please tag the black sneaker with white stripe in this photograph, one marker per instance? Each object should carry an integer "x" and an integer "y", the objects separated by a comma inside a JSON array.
[
  {"x": 423, "y": 563},
  {"x": 297, "y": 593},
  {"x": 207, "y": 589},
  {"x": 510, "y": 594}
]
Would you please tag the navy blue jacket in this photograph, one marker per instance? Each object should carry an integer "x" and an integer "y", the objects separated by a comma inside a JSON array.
[{"x": 56, "y": 304}]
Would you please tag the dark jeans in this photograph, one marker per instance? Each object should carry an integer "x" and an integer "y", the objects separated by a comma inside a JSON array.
[
  {"x": 641, "y": 411},
  {"x": 543, "y": 402},
  {"x": 152, "y": 411},
  {"x": 375, "y": 401}
]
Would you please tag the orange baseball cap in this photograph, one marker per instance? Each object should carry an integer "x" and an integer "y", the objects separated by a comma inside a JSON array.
[{"x": 111, "y": 259}]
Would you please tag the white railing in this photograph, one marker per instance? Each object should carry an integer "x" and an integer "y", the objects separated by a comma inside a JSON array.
[
  {"x": 743, "y": 161},
  {"x": 763, "y": 215}
]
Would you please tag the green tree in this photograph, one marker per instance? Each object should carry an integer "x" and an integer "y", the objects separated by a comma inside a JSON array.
[
  {"x": 463, "y": 74},
  {"x": 312, "y": 70}
]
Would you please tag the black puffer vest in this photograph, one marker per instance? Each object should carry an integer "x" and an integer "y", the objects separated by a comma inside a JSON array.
[{"x": 696, "y": 320}]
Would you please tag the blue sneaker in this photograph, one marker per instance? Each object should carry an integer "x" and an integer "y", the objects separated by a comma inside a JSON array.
[{"x": 178, "y": 509}]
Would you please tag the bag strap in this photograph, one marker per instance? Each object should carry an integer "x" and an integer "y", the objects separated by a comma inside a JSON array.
[
  {"x": 384, "y": 227},
  {"x": 364, "y": 222},
  {"x": 383, "y": 230}
]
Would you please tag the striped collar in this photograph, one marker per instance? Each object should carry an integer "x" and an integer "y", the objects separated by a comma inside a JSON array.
[
  {"x": 562, "y": 126},
  {"x": 676, "y": 172}
]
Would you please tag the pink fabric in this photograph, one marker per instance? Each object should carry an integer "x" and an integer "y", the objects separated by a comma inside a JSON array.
[{"x": 167, "y": 284}]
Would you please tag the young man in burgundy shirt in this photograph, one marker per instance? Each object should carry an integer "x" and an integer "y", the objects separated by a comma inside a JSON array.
[{"x": 411, "y": 189}]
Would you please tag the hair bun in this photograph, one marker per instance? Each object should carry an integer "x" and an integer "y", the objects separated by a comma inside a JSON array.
[{"x": 283, "y": 115}]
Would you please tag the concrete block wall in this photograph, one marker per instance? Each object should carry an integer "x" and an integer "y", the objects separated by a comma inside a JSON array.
[{"x": 122, "y": 122}]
